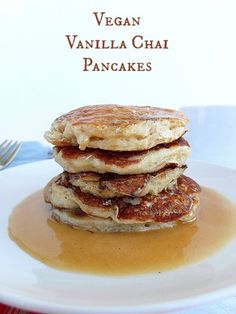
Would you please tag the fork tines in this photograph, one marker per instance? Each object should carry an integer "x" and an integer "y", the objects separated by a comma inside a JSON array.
[{"x": 8, "y": 151}]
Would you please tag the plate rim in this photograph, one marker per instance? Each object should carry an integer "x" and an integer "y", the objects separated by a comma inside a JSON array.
[{"x": 28, "y": 303}]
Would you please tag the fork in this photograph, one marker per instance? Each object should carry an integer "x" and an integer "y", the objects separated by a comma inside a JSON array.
[{"x": 8, "y": 151}]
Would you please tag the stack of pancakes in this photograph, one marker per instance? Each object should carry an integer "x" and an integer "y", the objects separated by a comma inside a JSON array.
[{"x": 123, "y": 169}]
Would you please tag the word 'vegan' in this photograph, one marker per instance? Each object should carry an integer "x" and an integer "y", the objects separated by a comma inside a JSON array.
[{"x": 101, "y": 19}]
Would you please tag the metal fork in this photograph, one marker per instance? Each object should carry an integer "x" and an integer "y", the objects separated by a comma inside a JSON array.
[{"x": 8, "y": 151}]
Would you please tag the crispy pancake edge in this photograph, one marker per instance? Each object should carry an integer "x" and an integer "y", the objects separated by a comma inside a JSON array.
[{"x": 167, "y": 206}]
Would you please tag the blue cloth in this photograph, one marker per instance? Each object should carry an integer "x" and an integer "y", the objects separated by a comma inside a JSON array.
[{"x": 30, "y": 152}]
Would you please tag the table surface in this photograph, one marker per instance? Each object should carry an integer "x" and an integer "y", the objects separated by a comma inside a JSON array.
[{"x": 212, "y": 136}]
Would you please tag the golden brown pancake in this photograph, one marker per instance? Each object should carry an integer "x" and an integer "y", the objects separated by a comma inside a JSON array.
[
  {"x": 117, "y": 128},
  {"x": 169, "y": 205},
  {"x": 74, "y": 160},
  {"x": 79, "y": 220},
  {"x": 110, "y": 185}
]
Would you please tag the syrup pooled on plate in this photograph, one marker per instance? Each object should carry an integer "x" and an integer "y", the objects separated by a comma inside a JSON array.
[{"x": 62, "y": 247}]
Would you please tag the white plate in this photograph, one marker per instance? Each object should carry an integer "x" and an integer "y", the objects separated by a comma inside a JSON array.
[{"x": 27, "y": 283}]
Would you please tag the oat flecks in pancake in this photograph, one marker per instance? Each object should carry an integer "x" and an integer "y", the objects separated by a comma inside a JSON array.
[
  {"x": 167, "y": 206},
  {"x": 117, "y": 128},
  {"x": 110, "y": 185}
]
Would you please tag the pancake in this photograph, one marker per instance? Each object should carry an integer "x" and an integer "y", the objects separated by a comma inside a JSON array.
[
  {"x": 79, "y": 220},
  {"x": 110, "y": 185},
  {"x": 74, "y": 160},
  {"x": 169, "y": 205},
  {"x": 117, "y": 128}
]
